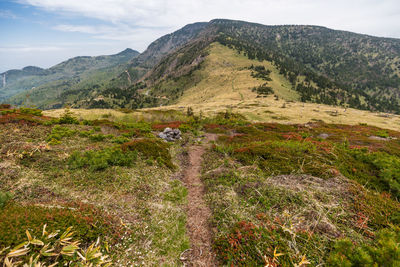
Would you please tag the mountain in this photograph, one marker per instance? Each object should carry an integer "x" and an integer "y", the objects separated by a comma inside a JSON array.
[
  {"x": 323, "y": 65},
  {"x": 77, "y": 71},
  {"x": 316, "y": 64},
  {"x": 319, "y": 64}
]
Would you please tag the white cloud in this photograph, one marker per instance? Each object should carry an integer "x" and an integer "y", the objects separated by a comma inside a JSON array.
[
  {"x": 113, "y": 25},
  {"x": 29, "y": 49},
  {"x": 7, "y": 14},
  {"x": 376, "y": 17}
]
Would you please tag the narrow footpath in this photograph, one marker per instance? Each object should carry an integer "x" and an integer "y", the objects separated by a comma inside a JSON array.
[{"x": 198, "y": 213}]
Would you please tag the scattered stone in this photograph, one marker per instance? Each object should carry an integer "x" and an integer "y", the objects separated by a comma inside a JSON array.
[
  {"x": 378, "y": 138},
  {"x": 170, "y": 135},
  {"x": 323, "y": 136}
]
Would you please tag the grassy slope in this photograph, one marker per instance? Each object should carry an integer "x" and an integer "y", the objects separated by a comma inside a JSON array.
[
  {"x": 143, "y": 201},
  {"x": 211, "y": 90},
  {"x": 216, "y": 92},
  {"x": 260, "y": 110},
  {"x": 265, "y": 202},
  {"x": 224, "y": 77},
  {"x": 256, "y": 210}
]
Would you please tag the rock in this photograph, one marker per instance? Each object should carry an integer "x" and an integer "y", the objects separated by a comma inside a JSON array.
[
  {"x": 162, "y": 135},
  {"x": 378, "y": 138},
  {"x": 170, "y": 135},
  {"x": 323, "y": 136}
]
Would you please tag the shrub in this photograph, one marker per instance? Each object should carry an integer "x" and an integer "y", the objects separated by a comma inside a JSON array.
[
  {"x": 227, "y": 118},
  {"x": 59, "y": 249},
  {"x": 215, "y": 128},
  {"x": 383, "y": 251},
  {"x": 249, "y": 244},
  {"x": 151, "y": 148},
  {"x": 382, "y": 133},
  {"x": 88, "y": 222},
  {"x": 7, "y": 111},
  {"x": 5, "y": 106},
  {"x": 162, "y": 126},
  {"x": 378, "y": 170},
  {"x": 68, "y": 118},
  {"x": 284, "y": 157},
  {"x": 58, "y": 132},
  {"x": 30, "y": 111},
  {"x": 263, "y": 90},
  {"x": 120, "y": 139},
  {"x": 4, "y": 198},
  {"x": 184, "y": 128},
  {"x": 99, "y": 137},
  {"x": 86, "y": 133},
  {"x": 141, "y": 126},
  {"x": 101, "y": 159}
]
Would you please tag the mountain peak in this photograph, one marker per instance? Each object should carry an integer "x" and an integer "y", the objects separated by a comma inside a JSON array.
[{"x": 128, "y": 51}]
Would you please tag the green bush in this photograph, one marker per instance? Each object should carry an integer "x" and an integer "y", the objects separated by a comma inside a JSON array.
[
  {"x": 151, "y": 148},
  {"x": 86, "y": 133},
  {"x": 184, "y": 128},
  {"x": 8, "y": 111},
  {"x": 249, "y": 244},
  {"x": 68, "y": 118},
  {"x": 263, "y": 90},
  {"x": 377, "y": 170},
  {"x": 120, "y": 139},
  {"x": 58, "y": 132},
  {"x": 227, "y": 118},
  {"x": 101, "y": 159},
  {"x": 382, "y": 133},
  {"x": 99, "y": 137},
  {"x": 30, "y": 111},
  {"x": 284, "y": 157},
  {"x": 142, "y": 126},
  {"x": 384, "y": 251},
  {"x": 4, "y": 198}
]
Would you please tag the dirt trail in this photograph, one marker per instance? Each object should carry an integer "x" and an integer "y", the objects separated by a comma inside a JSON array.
[{"x": 198, "y": 213}]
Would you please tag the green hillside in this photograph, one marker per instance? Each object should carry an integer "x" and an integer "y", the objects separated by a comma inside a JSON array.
[
  {"x": 42, "y": 87},
  {"x": 322, "y": 65}
]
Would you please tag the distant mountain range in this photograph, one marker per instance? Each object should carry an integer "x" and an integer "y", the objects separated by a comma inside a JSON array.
[
  {"x": 319, "y": 65},
  {"x": 46, "y": 84}
]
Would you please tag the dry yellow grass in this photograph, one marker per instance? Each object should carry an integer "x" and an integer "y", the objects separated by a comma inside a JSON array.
[
  {"x": 226, "y": 77},
  {"x": 258, "y": 110},
  {"x": 227, "y": 84}
]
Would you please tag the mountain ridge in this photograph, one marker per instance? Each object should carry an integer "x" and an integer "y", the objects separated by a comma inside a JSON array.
[
  {"x": 323, "y": 65},
  {"x": 70, "y": 70}
]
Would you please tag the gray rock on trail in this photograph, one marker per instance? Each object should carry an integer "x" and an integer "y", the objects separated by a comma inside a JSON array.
[
  {"x": 170, "y": 135},
  {"x": 323, "y": 136}
]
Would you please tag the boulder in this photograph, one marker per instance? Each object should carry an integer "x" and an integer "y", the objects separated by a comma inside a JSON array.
[{"x": 170, "y": 135}]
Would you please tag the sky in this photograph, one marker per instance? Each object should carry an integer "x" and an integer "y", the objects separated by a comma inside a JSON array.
[{"x": 46, "y": 32}]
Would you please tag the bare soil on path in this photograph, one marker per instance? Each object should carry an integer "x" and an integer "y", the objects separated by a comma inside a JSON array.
[{"x": 198, "y": 213}]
